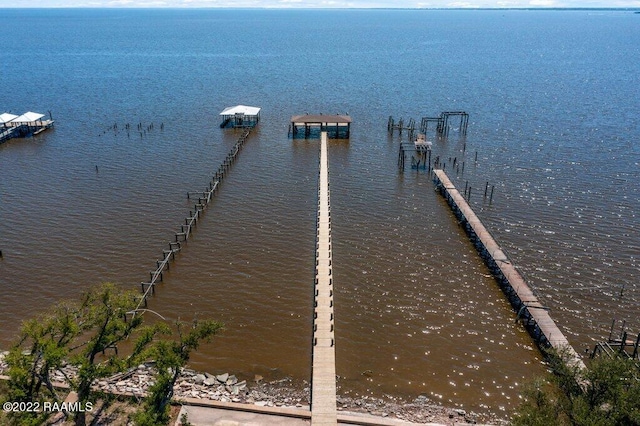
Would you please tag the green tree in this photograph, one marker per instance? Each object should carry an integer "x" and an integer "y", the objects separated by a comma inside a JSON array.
[
  {"x": 86, "y": 333},
  {"x": 607, "y": 394},
  {"x": 96, "y": 355},
  {"x": 42, "y": 347},
  {"x": 170, "y": 356}
]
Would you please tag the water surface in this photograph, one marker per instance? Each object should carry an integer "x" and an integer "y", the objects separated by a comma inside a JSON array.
[{"x": 553, "y": 98}]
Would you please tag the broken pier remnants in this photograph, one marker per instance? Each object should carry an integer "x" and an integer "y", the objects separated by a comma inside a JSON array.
[{"x": 442, "y": 124}]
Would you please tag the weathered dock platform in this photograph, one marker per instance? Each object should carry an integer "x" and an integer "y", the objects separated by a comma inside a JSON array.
[
  {"x": 419, "y": 149},
  {"x": 621, "y": 345},
  {"x": 534, "y": 314},
  {"x": 8, "y": 133},
  {"x": 323, "y": 374}
]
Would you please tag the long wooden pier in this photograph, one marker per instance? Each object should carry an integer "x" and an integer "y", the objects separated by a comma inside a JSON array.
[
  {"x": 534, "y": 314},
  {"x": 323, "y": 374}
]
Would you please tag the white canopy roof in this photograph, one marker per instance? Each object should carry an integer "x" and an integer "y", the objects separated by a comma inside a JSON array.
[
  {"x": 6, "y": 117},
  {"x": 241, "y": 109},
  {"x": 28, "y": 117}
]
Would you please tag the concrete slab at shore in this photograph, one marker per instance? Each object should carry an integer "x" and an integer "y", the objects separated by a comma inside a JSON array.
[{"x": 240, "y": 414}]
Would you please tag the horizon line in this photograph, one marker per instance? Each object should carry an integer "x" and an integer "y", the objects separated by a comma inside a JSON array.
[{"x": 139, "y": 7}]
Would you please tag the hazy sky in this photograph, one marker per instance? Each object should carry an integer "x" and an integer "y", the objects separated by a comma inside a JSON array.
[{"x": 320, "y": 3}]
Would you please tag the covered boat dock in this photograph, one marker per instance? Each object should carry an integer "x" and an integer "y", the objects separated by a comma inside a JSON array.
[
  {"x": 311, "y": 125},
  {"x": 28, "y": 124},
  {"x": 240, "y": 116}
]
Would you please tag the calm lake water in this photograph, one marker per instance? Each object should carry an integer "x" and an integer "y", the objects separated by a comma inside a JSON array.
[{"x": 553, "y": 98}]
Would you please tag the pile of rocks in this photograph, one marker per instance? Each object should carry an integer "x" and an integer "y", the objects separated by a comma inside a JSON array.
[
  {"x": 227, "y": 388},
  {"x": 3, "y": 363},
  {"x": 191, "y": 384},
  {"x": 419, "y": 410},
  {"x": 222, "y": 387}
]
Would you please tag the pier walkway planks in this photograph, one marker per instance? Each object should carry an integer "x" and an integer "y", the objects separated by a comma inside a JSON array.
[
  {"x": 323, "y": 375},
  {"x": 534, "y": 314}
]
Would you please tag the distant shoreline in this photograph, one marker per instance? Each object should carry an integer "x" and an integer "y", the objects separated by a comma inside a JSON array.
[{"x": 587, "y": 9}]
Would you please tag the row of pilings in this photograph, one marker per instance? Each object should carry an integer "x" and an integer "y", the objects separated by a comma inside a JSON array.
[
  {"x": 421, "y": 159},
  {"x": 201, "y": 202},
  {"x": 141, "y": 128},
  {"x": 422, "y": 152}
]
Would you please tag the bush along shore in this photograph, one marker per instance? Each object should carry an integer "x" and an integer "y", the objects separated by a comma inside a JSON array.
[{"x": 284, "y": 392}]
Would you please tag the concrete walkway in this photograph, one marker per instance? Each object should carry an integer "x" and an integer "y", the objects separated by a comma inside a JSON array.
[
  {"x": 231, "y": 414},
  {"x": 210, "y": 416}
]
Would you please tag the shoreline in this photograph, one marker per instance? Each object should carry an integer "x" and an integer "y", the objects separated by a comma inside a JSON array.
[{"x": 282, "y": 393}]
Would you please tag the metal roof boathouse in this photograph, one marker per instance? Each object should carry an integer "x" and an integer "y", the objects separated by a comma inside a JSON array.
[
  {"x": 240, "y": 116},
  {"x": 305, "y": 126}
]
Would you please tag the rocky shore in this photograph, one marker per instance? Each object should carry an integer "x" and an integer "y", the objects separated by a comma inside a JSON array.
[{"x": 276, "y": 393}]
